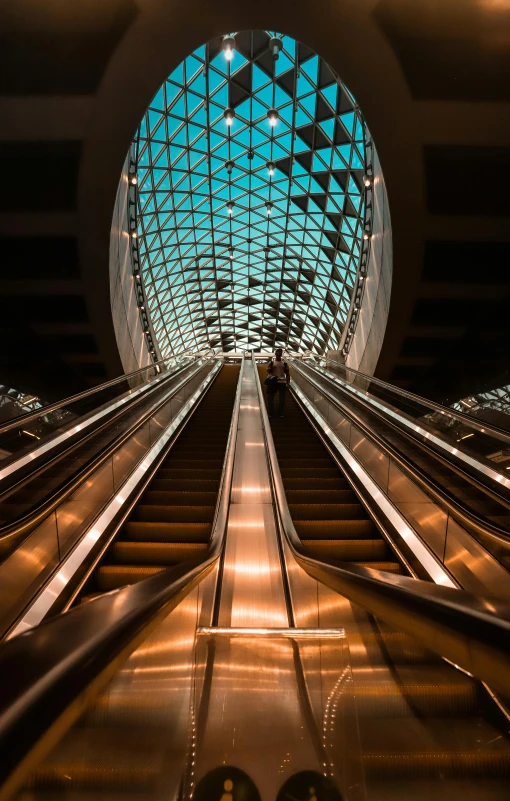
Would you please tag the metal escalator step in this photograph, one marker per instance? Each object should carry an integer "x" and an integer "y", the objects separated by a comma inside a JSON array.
[
  {"x": 442, "y": 698},
  {"x": 142, "y": 708},
  {"x": 180, "y": 497},
  {"x": 347, "y": 550},
  {"x": 308, "y": 472},
  {"x": 185, "y": 484},
  {"x": 327, "y": 511},
  {"x": 372, "y": 647},
  {"x": 307, "y": 496},
  {"x": 166, "y": 532},
  {"x": 198, "y": 464},
  {"x": 386, "y": 567},
  {"x": 297, "y": 483},
  {"x": 434, "y": 790},
  {"x": 100, "y": 760},
  {"x": 439, "y": 763},
  {"x": 156, "y": 553},
  {"x": 170, "y": 473},
  {"x": 173, "y": 514},
  {"x": 335, "y": 529},
  {"x": 311, "y": 464},
  {"x": 112, "y": 577}
]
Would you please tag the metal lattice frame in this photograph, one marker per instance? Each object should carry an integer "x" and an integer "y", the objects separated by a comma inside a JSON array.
[
  {"x": 232, "y": 256},
  {"x": 498, "y": 399}
]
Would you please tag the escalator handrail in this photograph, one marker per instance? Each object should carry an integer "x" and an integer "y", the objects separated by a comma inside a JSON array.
[
  {"x": 76, "y": 428},
  {"x": 51, "y": 407},
  {"x": 26, "y": 524},
  {"x": 52, "y": 672},
  {"x": 462, "y": 417},
  {"x": 471, "y": 632},
  {"x": 466, "y": 517},
  {"x": 395, "y": 418}
]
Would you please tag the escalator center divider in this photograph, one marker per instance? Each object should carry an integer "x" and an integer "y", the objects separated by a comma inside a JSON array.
[{"x": 172, "y": 521}]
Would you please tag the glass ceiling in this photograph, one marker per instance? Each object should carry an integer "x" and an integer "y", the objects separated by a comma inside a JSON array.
[{"x": 249, "y": 233}]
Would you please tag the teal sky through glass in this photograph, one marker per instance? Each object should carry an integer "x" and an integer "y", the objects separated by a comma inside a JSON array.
[{"x": 280, "y": 268}]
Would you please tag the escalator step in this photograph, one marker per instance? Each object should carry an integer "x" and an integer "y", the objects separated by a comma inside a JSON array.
[
  {"x": 308, "y": 472},
  {"x": 184, "y": 464},
  {"x": 173, "y": 514},
  {"x": 185, "y": 484},
  {"x": 335, "y": 529},
  {"x": 327, "y": 496},
  {"x": 450, "y": 790},
  {"x": 166, "y": 532},
  {"x": 442, "y": 698},
  {"x": 444, "y": 764},
  {"x": 374, "y": 647},
  {"x": 327, "y": 511},
  {"x": 112, "y": 577},
  {"x": 179, "y": 497},
  {"x": 209, "y": 473},
  {"x": 310, "y": 464},
  {"x": 347, "y": 550},
  {"x": 124, "y": 761},
  {"x": 386, "y": 567},
  {"x": 156, "y": 553},
  {"x": 315, "y": 483}
]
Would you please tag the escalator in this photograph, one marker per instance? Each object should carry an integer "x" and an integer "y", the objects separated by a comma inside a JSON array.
[
  {"x": 171, "y": 523},
  {"x": 463, "y": 484},
  {"x": 426, "y": 730},
  {"x": 46, "y": 464},
  {"x": 165, "y": 687},
  {"x": 327, "y": 515}
]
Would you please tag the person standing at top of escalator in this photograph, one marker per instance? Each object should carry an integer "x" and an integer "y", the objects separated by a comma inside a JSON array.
[{"x": 277, "y": 381}]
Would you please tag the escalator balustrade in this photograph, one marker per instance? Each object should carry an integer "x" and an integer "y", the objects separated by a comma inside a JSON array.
[
  {"x": 426, "y": 730},
  {"x": 172, "y": 521}
]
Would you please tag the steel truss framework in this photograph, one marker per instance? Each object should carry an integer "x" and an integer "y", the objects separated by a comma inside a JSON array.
[
  {"x": 233, "y": 256},
  {"x": 498, "y": 399}
]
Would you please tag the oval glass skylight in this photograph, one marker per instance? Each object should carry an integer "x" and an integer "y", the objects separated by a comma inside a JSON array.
[{"x": 250, "y": 206}]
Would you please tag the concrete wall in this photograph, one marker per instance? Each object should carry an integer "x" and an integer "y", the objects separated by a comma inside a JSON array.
[
  {"x": 126, "y": 316},
  {"x": 373, "y": 317}
]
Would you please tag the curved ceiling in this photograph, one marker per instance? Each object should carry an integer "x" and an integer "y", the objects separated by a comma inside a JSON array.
[{"x": 250, "y": 233}]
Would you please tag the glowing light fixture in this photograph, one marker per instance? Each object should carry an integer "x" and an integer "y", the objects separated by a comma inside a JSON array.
[
  {"x": 230, "y": 207},
  {"x": 228, "y": 45},
  {"x": 271, "y": 167},
  {"x": 367, "y": 181},
  {"x": 272, "y": 116},
  {"x": 269, "y": 206},
  {"x": 229, "y": 115}
]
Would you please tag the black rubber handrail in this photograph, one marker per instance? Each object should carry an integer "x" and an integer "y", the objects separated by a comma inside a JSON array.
[
  {"x": 465, "y": 517},
  {"x": 52, "y": 672},
  {"x": 15, "y": 532},
  {"x": 478, "y": 480},
  {"x": 463, "y": 417},
  {"x": 24, "y": 418},
  {"x": 471, "y": 632}
]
